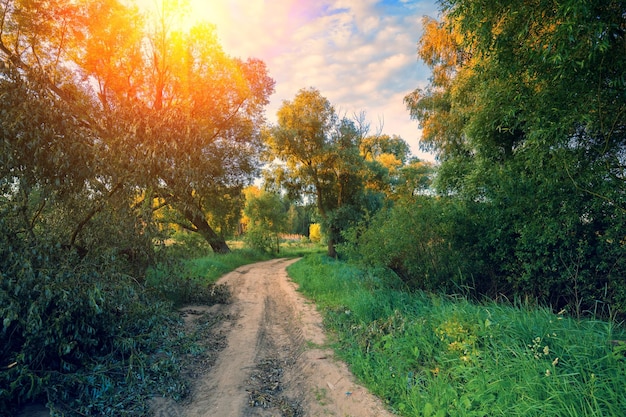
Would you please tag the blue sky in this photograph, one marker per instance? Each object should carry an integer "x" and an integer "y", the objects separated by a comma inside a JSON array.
[{"x": 360, "y": 54}]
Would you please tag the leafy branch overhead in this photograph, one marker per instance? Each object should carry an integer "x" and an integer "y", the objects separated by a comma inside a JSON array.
[{"x": 158, "y": 110}]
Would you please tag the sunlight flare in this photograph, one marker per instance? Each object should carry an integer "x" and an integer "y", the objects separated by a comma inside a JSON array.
[{"x": 184, "y": 14}]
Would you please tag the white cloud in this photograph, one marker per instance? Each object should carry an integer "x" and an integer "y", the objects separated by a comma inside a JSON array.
[{"x": 361, "y": 54}]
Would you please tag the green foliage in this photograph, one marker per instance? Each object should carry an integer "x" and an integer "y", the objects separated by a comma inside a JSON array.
[
  {"x": 432, "y": 355},
  {"x": 262, "y": 240},
  {"x": 187, "y": 245},
  {"x": 530, "y": 148},
  {"x": 181, "y": 282},
  {"x": 82, "y": 339},
  {"x": 416, "y": 240},
  {"x": 211, "y": 267},
  {"x": 268, "y": 218},
  {"x": 300, "y": 218}
]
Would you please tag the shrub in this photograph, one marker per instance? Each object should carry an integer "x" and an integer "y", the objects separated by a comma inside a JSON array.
[
  {"x": 262, "y": 239},
  {"x": 82, "y": 338},
  {"x": 411, "y": 238},
  {"x": 315, "y": 232}
]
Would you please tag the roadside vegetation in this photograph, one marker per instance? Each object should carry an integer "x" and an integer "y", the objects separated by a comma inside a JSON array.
[
  {"x": 437, "y": 355},
  {"x": 128, "y": 150}
]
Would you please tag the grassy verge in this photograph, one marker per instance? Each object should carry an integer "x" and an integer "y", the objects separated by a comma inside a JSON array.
[
  {"x": 185, "y": 278},
  {"x": 213, "y": 266},
  {"x": 434, "y": 356}
]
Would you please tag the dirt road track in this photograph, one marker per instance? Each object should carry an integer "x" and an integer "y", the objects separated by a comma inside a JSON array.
[{"x": 275, "y": 362}]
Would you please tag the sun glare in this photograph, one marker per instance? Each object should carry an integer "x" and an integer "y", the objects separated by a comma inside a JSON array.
[{"x": 187, "y": 13}]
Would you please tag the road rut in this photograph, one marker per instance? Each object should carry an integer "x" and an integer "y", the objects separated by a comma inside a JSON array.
[{"x": 275, "y": 362}]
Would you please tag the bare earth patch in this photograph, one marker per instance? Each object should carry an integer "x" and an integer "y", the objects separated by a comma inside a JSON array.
[{"x": 274, "y": 362}]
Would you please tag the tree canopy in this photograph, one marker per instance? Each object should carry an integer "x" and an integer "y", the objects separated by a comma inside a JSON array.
[
  {"x": 332, "y": 160},
  {"x": 143, "y": 110},
  {"x": 526, "y": 113}
]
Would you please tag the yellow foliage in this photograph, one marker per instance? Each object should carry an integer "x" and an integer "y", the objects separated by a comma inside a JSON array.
[
  {"x": 315, "y": 232},
  {"x": 249, "y": 193},
  {"x": 389, "y": 161}
]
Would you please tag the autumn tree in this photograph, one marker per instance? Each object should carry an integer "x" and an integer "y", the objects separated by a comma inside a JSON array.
[
  {"x": 166, "y": 114},
  {"x": 319, "y": 154},
  {"x": 56, "y": 166},
  {"x": 335, "y": 162}
]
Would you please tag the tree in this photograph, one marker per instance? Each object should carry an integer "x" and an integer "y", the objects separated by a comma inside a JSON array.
[
  {"x": 267, "y": 219},
  {"x": 173, "y": 118},
  {"x": 391, "y": 170},
  {"x": 194, "y": 113},
  {"x": 320, "y": 156},
  {"x": 55, "y": 165},
  {"x": 526, "y": 109}
]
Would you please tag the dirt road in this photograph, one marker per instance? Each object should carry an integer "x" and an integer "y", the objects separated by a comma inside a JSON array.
[{"x": 275, "y": 362}]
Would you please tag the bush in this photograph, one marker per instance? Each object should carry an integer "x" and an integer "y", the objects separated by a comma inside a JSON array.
[
  {"x": 188, "y": 245},
  {"x": 447, "y": 244},
  {"x": 182, "y": 282},
  {"x": 84, "y": 339},
  {"x": 413, "y": 239},
  {"x": 262, "y": 239}
]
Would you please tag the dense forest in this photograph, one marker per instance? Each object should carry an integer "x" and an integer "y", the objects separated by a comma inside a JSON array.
[{"x": 116, "y": 130}]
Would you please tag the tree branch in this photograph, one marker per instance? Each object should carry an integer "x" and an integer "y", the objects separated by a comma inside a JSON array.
[{"x": 81, "y": 225}]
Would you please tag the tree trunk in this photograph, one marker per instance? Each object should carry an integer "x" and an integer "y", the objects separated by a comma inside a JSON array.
[
  {"x": 217, "y": 242},
  {"x": 333, "y": 232},
  {"x": 332, "y": 252}
]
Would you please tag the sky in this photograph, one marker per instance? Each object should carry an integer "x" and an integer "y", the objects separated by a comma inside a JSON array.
[{"x": 360, "y": 54}]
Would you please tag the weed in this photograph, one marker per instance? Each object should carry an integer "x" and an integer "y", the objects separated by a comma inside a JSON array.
[{"x": 321, "y": 396}]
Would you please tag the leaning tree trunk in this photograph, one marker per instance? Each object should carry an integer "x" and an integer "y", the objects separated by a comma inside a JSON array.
[
  {"x": 217, "y": 242},
  {"x": 197, "y": 218}
]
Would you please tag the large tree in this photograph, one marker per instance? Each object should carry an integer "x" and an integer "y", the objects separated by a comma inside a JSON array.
[
  {"x": 166, "y": 114},
  {"x": 527, "y": 111},
  {"x": 55, "y": 162},
  {"x": 332, "y": 161},
  {"x": 195, "y": 114},
  {"x": 320, "y": 158}
]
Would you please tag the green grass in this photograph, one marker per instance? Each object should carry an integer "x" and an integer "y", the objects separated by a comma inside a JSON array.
[
  {"x": 211, "y": 267},
  {"x": 291, "y": 249},
  {"x": 184, "y": 277},
  {"x": 428, "y": 355}
]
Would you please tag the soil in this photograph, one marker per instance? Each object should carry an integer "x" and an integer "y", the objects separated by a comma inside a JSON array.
[
  {"x": 266, "y": 355},
  {"x": 275, "y": 361}
]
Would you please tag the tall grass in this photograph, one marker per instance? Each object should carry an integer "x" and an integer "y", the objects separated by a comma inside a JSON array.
[{"x": 429, "y": 355}]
